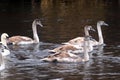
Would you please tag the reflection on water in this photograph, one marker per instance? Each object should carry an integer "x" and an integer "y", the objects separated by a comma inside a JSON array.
[{"x": 62, "y": 20}]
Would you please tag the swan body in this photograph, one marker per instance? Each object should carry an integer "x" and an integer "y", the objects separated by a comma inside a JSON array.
[
  {"x": 5, "y": 49},
  {"x": 18, "y": 40},
  {"x": 78, "y": 40},
  {"x": 75, "y": 48},
  {"x": 66, "y": 56}
]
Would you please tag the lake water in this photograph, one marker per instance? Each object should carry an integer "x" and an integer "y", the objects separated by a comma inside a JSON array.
[{"x": 63, "y": 20}]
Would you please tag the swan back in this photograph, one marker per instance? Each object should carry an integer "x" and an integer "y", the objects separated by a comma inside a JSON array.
[
  {"x": 65, "y": 48},
  {"x": 64, "y": 56}
]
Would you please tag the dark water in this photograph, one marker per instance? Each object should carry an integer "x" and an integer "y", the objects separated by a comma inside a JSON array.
[{"x": 62, "y": 20}]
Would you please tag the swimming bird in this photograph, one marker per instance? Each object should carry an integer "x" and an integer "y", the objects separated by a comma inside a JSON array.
[
  {"x": 66, "y": 56},
  {"x": 18, "y": 40},
  {"x": 78, "y": 40},
  {"x": 5, "y": 50},
  {"x": 78, "y": 46}
]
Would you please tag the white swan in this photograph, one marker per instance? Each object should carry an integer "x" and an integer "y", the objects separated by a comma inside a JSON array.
[
  {"x": 78, "y": 46},
  {"x": 66, "y": 56},
  {"x": 78, "y": 40},
  {"x": 17, "y": 40},
  {"x": 5, "y": 50}
]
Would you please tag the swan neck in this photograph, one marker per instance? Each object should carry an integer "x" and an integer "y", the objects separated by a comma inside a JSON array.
[
  {"x": 4, "y": 42},
  {"x": 2, "y": 63},
  {"x": 86, "y": 46},
  {"x": 86, "y": 32},
  {"x": 35, "y": 35},
  {"x": 90, "y": 46},
  {"x": 100, "y": 36}
]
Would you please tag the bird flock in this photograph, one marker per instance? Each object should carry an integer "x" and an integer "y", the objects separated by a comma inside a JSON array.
[{"x": 67, "y": 52}]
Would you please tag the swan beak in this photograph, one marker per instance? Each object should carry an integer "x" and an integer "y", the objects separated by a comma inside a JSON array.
[
  {"x": 106, "y": 24},
  {"x": 93, "y": 29},
  {"x": 41, "y": 25},
  {"x": 7, "y": 37}
]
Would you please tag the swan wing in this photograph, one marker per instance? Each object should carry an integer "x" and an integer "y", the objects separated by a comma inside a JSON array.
[
  {"x": 62, "y": 57},
  {"x": 64, "y": 48},
  {"x": 77, "y": 40}
]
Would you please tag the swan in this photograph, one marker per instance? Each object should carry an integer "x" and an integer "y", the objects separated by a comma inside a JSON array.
[
  {"x": 75, "y": 48},
  {"x": 5, "y": 50},
  {"x": 78, "y": 40},
  {"x": 18, "y": 40},
  {"x": 66, "y": 56}
]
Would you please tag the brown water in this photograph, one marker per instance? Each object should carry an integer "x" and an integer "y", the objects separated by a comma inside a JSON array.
[{"x": 62, "y": 20}]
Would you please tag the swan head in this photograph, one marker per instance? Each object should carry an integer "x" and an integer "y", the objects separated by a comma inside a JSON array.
[
  {"x": 89, "y": 28},
  {"x": 49, "y": 58},
  {"x": 4, "y": 36},
  {"x": 37, "y": 22},
  {"x": 102, "y": 23}
]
